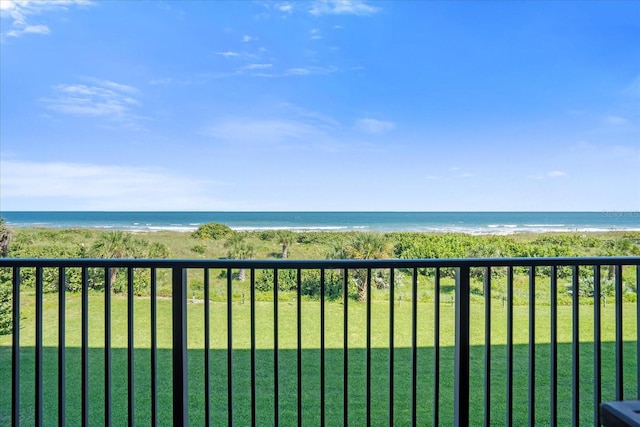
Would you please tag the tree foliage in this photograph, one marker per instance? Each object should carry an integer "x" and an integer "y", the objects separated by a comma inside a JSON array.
[
  {"x": 212, "y": 230},
  {"x": 239, "y": 248},
  {"x": 285, "y": 238},
  {"x": 5, "y": 238},
  {"x": 361, "y": 246}
]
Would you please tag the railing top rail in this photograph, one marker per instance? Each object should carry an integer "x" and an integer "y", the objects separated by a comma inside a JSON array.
[{"x": 317, "y": 264}]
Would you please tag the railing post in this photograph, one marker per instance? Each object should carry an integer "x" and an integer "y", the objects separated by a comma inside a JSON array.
[
  {"x": 179, "y": 309},
  {"x": 461, "y": 374},
  {"x": 15, "y": 350}
]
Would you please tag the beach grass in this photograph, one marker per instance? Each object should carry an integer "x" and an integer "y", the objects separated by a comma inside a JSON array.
[{"x": 334, "y": 361}]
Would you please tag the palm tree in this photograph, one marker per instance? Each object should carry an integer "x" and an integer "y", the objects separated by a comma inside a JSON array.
[
  {"x": 286, "y": 239},
  {"x": 362, "y": 246},
  {"x": 116, "y": 244},
  {"x": 239, "y": 249}
]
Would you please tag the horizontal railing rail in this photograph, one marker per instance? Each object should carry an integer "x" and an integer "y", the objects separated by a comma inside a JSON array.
[{"x": 477, "y": 289}]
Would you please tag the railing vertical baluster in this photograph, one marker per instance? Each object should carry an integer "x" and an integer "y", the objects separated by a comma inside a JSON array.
[
  {"x": 368, "y": 350},
  {"x": 85, "y": 347},
  {"x": 322, "y": 349},
  {"x": 276, "y": 375},
  {"x": 62, "y": 357},
  {"x": 575, "y": 345},
  {"x": 392, "y": 286},
  {"x": 436, "y": 349},
  {"x": 229, "y": 349},
  {"x": 180, "y": 371},
  {"x": 619, "y": 342},
  {"x": 414, "y": 348},
  {"x": 487, "y": 346},
  {"x": 207, "y": 347},
  {"x": 130, "y": 350},
  {"x": 532, "y": 346},
  {"x": 462, "y": 325},
  {"x": 509, "y": 346},
  {"x": 107, "y": 346},
  {"x": 553, "y": 415},
  {"x": 299, "y": 341},
  {"x": 345, "y": 351},
  {"x": 15, "y": 350},
  {"x": 252, "y": 302},
  {"x": 597, "y": 345},
  {"x": 154, "y": 348},
  {"x": 38, "y": 349}
]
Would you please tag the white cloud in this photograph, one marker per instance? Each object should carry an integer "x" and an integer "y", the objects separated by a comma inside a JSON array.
[
  {"x": 228, "y": 54},
  {"x": 247, "y": 39},
  {"x": 81, "y": 186},
  {"x": 103, "y": 98},
  {"x": 373, "y": 125},
  {"x": 168, "y": 81},
  {"x": 21, "y": 11},
  {"x": 285, "y": 7},
  {"x": 305, "y": 71},
  {"x": 314, "y": 34},
  {"x": 257, "y": 66},
  {"x": 29, "y": 29},
  {"x": 342, "y": 7},
  {"x": 548, "y": 175}
]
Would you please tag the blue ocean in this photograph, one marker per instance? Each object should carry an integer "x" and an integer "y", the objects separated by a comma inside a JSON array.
[{"x": 462, "y": 222}]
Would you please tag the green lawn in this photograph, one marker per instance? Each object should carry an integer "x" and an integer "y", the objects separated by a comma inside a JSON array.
[{"x": 311, "y": 361}]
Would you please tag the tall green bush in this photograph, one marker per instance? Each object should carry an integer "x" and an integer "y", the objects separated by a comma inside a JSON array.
[{"x": 212, "y": 230}]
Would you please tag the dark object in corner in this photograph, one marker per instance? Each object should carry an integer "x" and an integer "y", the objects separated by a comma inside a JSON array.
[{"x": 624, "y": 413}]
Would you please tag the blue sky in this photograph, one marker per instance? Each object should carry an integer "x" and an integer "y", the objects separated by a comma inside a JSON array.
[{"x": 320, "y": 105}]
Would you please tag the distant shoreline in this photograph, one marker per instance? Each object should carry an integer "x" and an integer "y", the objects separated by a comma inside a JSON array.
[{"x": 474, "y": 223}]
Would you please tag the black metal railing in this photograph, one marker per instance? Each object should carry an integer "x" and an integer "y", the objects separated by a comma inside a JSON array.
[{"x": 477, "y": 284}]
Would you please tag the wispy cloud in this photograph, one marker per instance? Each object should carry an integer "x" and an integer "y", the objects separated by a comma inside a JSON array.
[
  {"x": 373, "y": 125},
  {"x": 285, "y": 7},
  {"x": 100, "y": 98},
  {"x": 615, "y": 120},
  {"x": 261, "y": 131},
  {"x": 305, "y": 71},
  {"x": 228, "y": 54},
  {"x": 166, "y": 81},
  {"x": 20, "y": 13},
  {"x": 247, "y": 39},
  {"x": 548, "y": 175},
  {"x": 257, "y": 66},
  {"x": 72, "y": 186},
  {"x": 342, "y": 7},
  {"x": 314, "y": 34}
]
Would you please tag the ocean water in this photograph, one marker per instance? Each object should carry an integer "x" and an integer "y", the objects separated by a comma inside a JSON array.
[{"x": 463, "y": 222}]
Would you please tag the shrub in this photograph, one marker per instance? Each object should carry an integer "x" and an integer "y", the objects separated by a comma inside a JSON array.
[
  {"x": 6, "y": 301},
  {"x": 212, "y": 230},
  {"x": 199, "y": 249}
]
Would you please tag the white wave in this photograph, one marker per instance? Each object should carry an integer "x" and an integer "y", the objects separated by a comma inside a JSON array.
[{"x": 182, "y": 229}]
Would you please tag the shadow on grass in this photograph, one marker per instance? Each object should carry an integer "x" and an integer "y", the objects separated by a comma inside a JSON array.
[{"x": 287, "y": 368}]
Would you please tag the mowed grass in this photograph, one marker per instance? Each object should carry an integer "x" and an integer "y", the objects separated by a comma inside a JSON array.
[{"x": 334, "y": 361}]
